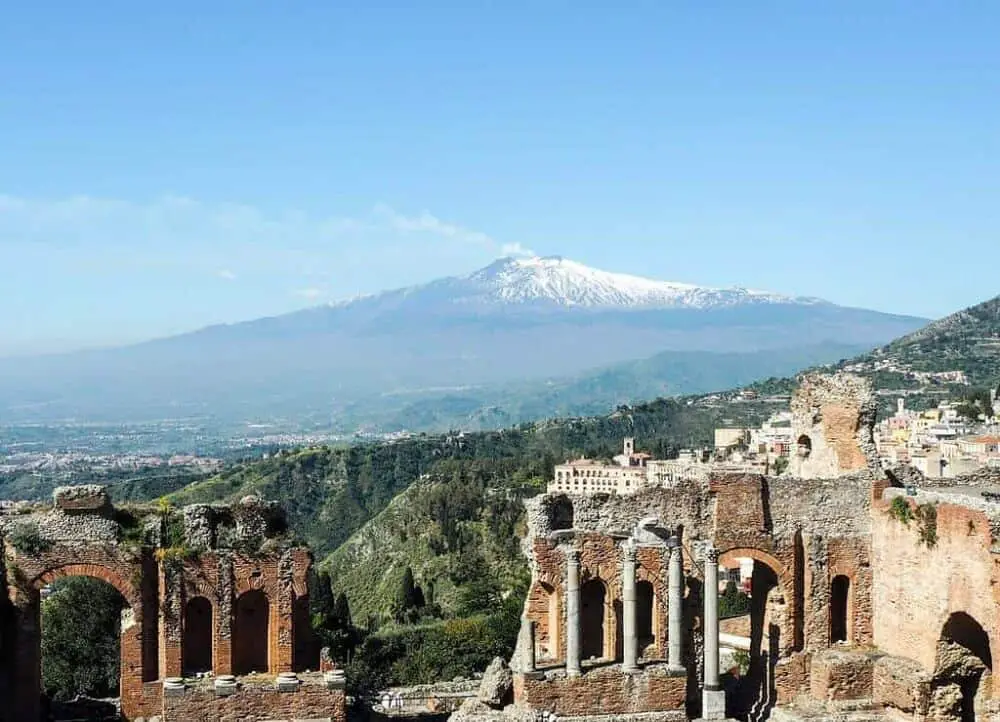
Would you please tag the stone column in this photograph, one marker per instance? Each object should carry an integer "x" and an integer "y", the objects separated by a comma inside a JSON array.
[
  {"x": 713, "y": 697},
  {"x": 675, "y": 605},
  {"x": 630, "y": 638},
  {"x": 572, "y": 613}
]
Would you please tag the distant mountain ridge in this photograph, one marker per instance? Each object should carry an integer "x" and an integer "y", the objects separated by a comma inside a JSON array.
[{"x": 513, "y": 321}]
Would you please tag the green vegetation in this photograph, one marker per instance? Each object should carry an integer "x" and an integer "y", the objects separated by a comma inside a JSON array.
[
  {"x": 927, "y": 524},
  {"x": 435, "y": 650},
  {"x": 27, "y": 538},
  {"x": 900, "y": 510},
  {"x": 733, "y": 603},
  {"x": 80, "y": 639}
]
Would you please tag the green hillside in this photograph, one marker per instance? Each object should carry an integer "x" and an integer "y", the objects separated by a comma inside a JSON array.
[
  {"x": 670, "y": 373},
  {"x": 330, "y": 492},
  {"x": 456, "y": 529},
  {"x": 924, "y": 363}
]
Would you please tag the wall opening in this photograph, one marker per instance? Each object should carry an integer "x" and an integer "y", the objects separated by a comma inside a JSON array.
[
  {"x": 840, "y": 594},
  {"x": 305, "y": 654},
  {"x": 592, "y": 613},
  {"x": 964, "y": 663},
  {"x": 551, "y": 649},
  {"x": 197, "y": 636},
  {"x": 81, "y": 621},
  {"x": 644, "y": 614},
  {"x": 804, "y": 446},
  {"x": 250, "y": 633}
]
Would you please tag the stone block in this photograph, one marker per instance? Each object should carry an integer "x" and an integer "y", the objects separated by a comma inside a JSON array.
[
  {"x": 841, "y": 675},
  {"x": 86, "y": 497}
]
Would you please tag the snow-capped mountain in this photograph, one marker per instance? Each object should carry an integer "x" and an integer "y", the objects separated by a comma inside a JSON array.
[
  {"x": 516, "y": 319},
  {"x": 553, "y": 283},
  {"x": 564, "y": 282}
]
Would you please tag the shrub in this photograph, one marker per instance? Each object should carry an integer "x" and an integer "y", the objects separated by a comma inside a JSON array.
[
  {"x": 26, "y": 537},
  {"x": 927, "y": 524},
  {"x": 900, "y": 510}
]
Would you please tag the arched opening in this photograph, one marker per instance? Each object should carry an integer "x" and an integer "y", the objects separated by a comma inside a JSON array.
[
  {"x": 81, "y": 623},
  {"x": 644, "y": 614},
  {"x": 768, "y": 620},
  {"x": 840, "y": 594},
  {"x": 592, "y": 612},
  {"x": 197, "y": 636},
  {"x": 963, "y": 667},
  {"x": 251, "y": 633},
  {"x": 804, "y": 446}
]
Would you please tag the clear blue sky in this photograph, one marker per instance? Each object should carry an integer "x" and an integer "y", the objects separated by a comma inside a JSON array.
[{"x": 168, "y": 165}]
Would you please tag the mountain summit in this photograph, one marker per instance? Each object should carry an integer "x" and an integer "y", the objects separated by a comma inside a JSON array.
[{"x": 557, "y": 282}]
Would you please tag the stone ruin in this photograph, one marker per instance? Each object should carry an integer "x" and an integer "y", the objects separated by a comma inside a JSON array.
[
  {"x": 216, "y": 622},
  {"x": 868, "y": 601}
]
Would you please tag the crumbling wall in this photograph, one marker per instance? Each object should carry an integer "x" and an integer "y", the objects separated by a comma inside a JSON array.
[
  {"x": 919, "y": 581},
  {"x": 833, "y": 416},
  {"x": 159, "y": 559}
]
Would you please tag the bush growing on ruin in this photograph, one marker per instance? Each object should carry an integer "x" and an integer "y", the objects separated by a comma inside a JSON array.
[
  {"x": 900, "y": 510},
  {"x": 927, "y": 524},
  {"x": 27, "y": 538}
]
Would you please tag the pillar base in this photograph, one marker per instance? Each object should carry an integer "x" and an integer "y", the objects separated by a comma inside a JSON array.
[
  {"x": 574, "y": 672},
  {"x": 631, "y": 669},
  {"x": 713, "y": 704}
]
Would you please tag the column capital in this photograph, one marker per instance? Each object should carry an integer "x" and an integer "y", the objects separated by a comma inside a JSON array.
[
  {"x": 712, "y": 555},
  {"x": 630, "y": 549},
  {"x": 573, "y": 556}
]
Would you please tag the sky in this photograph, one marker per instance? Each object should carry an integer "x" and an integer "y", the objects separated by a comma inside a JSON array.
[{"x": 165, "y": 166}]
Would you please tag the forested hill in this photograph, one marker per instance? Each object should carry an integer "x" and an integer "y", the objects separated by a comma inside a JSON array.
[
  {"x": 329, "y": 492},
  {"x": 967, "y": 341}
]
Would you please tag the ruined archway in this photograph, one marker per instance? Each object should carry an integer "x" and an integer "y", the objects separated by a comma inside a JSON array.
[
  {"x": 251, "y": 633},
  {"x": 840, "y": 608},
  {"x": 592, "y": 619},
  {"x": 135, "y": 651},
  {"x": 197, "y": 636},
  {"x": 771, "y": 628},
  {"x": 963, "y": 668}
]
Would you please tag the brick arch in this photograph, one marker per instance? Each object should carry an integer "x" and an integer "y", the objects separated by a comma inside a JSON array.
[
  {"x": 96, "y": 571},
  {"x": 785, "y": 580},
  {"x": 786, "y": 586}
]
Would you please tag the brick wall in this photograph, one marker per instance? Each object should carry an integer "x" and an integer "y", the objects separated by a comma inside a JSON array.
[
  {"x": 604, "y": 690},
  {"x": 255, "y": 703}
]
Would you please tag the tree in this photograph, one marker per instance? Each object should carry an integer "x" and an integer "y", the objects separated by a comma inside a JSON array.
[
  {"x": 409, "y": 597},
  {"x": 342, "y": 610},
  {"x": 733, "y": 603},
  {"x": 81, "y": 623}
]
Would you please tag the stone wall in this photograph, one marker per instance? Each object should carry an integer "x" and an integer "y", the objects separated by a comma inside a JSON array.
[
  {"x": 603, "y": 690},
  {"x": 256, "y": 702},
  {"x": 836, "y": 414},
  {"x": 917, "y": 587},
  {"x": 161, "y": 561}
]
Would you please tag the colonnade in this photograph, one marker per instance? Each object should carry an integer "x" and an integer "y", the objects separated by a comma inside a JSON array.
[{"x": 713, "y": 700}]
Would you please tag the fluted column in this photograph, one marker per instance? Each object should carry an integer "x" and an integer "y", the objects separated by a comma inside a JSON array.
[
  {"x": 572, "y": 613},
  {"x": 675, "y": 605},
  {"x": 713, "y": 697},
  {"x": 630, "y": 638}
]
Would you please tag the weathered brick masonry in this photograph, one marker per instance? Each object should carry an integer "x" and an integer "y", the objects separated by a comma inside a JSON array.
[{"x": 218, "y": 588}]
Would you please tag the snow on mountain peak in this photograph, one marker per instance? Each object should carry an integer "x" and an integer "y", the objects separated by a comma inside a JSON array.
[{"x": 563, "y": 282}]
